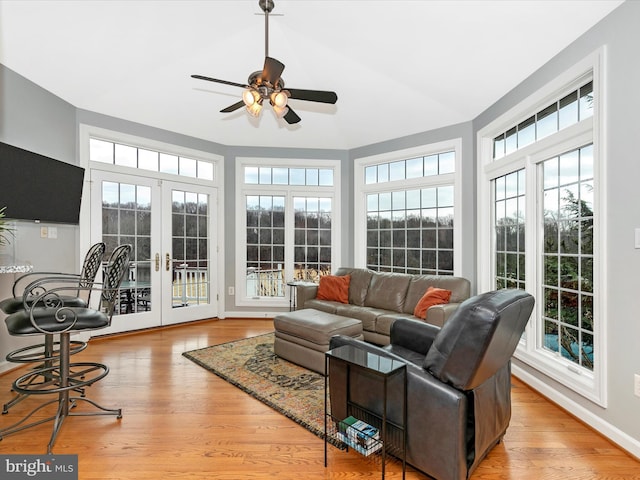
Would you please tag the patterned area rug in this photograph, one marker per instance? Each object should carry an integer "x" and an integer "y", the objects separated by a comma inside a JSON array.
[{"x": 251, "y": 365}]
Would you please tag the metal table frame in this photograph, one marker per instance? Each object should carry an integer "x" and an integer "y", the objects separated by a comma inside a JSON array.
[{"x": 355, "y": 358}]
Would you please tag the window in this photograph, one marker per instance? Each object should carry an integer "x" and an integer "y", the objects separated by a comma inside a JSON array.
[
  {"x": 288, "y": 229},
  {"x": 312, "y": 237},
  {"x": 510, "y": 230},
  {"x": 406, "y": 210},
  {"x": 265, "y": 245},
  {"x": 112, "y": 153},
  {"x": 190, "y": 244},
  {"x": 562, "y": 113},
  {"x": 567, "y": 281},
  {"x": 541, "y": 176},
  {"x": 411, "y": 231}
]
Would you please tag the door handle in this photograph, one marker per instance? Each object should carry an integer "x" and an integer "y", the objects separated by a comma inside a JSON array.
[
  {"x": 157, "y": 262},
  {"x": 167, "y": 264}
]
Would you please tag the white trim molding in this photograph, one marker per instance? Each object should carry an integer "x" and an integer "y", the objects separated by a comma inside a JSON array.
[
  {"x": 592, "y": 385},
  {"x": 361, "y": 189}
]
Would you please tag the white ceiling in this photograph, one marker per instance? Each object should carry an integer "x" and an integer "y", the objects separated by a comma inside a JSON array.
[{"x": 398, "y": 67}]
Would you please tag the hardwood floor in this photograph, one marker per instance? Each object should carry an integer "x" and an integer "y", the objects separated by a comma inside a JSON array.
[{"x": 180, "y": 421}]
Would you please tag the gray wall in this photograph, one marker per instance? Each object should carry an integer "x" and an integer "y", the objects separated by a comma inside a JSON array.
[
  {"x": 37, "y": 120},
  {"x": 620, "y": 34},
  {"x": 33, "y": 119}
]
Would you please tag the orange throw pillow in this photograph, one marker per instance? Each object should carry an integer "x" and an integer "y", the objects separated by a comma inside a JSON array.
[
  {"x": 334, "y": 288},
  {"x": 433, "y": 296}
]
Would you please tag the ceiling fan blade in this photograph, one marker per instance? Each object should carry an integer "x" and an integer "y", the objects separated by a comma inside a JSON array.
[
  {"x": 313, "y": 95},
  {"x": 225, "y": 82},
  {"x": 291, "y": 117},
  {"x": 272, "y": 70},
  {"x": 233, "y": 108}
]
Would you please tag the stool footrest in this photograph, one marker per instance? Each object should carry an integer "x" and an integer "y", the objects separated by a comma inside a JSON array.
[
  {"x": 81, "y": 374},
  {"x": 38, "y": 353}
]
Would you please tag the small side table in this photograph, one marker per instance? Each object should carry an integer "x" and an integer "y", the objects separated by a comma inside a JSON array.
[
  {"x": 292, "y": 292},
  {"x": 384, "y": 367}
]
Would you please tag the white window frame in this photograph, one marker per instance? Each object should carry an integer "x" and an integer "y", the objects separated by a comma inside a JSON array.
[
  {"x": 590, "y": 384},
  {"x": 361, "y": 190},
  {"x": 289, "y": 191},
  {"x": 85, "y": 132}
]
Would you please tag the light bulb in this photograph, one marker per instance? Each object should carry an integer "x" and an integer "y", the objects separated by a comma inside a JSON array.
[
  {"x": 249, "y": 97},
  {"x": 279, "y": 99}
]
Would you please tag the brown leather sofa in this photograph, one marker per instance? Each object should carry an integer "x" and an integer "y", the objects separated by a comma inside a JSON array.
[
  {"x": 377, "y": 299},
  {"x": 458, "y": 382}
]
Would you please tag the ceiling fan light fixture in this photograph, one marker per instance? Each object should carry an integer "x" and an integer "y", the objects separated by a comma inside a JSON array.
[
  {"x": 250, "y": 97},
  {"x": 267, "y": 84},
  {"x": 279, "y": 99},
  {"x": 255, "y": 108}
]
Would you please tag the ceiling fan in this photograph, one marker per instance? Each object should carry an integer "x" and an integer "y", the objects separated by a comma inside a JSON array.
[{"x": 267, "y": 84}]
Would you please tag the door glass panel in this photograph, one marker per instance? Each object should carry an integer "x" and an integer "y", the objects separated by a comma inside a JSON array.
[
  {"x": 190, "y": 247},
  {"x": 126, "y": 218}
]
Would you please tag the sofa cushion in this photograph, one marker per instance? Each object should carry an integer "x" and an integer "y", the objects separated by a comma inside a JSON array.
[
  {"x": 387, "y": 291},
  {"x": 334, "y": 288},
  {"x": 360, "y": 279},
  {"x": 366, "y": 315},
  {"x": 460, "y": 289},
  {"x": 433, "y": 296},
  {"x": 322, "y": 305}
]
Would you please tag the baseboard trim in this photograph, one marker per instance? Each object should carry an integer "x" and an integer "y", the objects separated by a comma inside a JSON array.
[
  {"x": 611, "y": 432},
  {"x": 257, "y": 315}
]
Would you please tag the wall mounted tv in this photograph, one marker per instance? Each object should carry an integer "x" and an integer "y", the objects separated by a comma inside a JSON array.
[{"x": 39, "y": 188}]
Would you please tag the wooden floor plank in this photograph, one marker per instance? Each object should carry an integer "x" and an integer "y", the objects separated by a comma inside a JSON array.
[{"x": 182, "y": 422}]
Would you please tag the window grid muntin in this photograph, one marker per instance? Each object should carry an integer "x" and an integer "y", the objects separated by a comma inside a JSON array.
[
  {"x": 417, "y": 167},
  {"x": 327, "y": 169},
  {"x": 411, "y": 231},
  {"x": 120, "y": 154},
  {"x": 565, "y": 111},
  {"x": 265, "y": 245},
  {"x": 312, "y": 237},
  {"x": 509, "y": 229},
  {"x": 265, "y": 175},
  {"x": 190, "y": 248},
  {"x": 126, "y": 219},
  {"x": 568, "y": 258}
]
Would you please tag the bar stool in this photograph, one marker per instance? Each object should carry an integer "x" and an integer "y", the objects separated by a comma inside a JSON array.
[
  {"x": 48, "y": 352},
  {"x": 49, "y": 315}
]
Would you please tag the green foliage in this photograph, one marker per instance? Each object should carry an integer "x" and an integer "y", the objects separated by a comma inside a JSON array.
[
  {"x": 568, "y": 279},
  {"x": 6, "y": 230}
]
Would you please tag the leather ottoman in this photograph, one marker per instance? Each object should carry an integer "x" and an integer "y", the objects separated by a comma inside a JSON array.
[{"x": 302, "y": 336}]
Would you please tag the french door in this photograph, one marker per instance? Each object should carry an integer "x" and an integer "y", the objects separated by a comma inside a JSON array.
[{"x": 170, "y": 225}]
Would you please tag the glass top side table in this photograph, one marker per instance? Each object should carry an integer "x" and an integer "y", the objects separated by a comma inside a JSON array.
[{"x": 381, "y": 366}]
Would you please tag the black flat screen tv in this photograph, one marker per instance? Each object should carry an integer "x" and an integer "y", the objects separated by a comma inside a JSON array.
[{"x": 39, "y": 188}]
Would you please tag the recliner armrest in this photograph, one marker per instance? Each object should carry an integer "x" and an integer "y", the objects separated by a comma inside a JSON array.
[{"x": 413, "y": 335}]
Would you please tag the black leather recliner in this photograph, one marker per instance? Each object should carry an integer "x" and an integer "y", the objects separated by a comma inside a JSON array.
[{"x": 458, "y": 382}]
